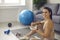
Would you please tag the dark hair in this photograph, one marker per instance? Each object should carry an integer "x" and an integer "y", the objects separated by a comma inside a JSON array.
[{"x": 49, "y": 9}]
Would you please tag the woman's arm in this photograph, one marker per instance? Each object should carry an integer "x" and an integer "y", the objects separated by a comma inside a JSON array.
[
  {"x": 47, "y": 31},
  {"x": 37, "y": 23}
]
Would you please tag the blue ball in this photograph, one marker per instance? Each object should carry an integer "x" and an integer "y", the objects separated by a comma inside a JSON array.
[{"x": 26, "y": 17}]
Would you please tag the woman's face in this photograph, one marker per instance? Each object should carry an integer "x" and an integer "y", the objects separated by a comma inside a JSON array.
[{"x": 45, "y": 13}]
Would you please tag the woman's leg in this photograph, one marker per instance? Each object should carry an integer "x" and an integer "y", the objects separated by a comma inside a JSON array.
[{"x": 33, "y": 31}]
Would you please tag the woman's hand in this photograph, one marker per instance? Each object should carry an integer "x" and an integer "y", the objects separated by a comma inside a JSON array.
[{"x": 34, "y": 28}]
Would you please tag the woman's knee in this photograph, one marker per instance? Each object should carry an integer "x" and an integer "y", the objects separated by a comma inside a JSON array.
[{"x": 33, "y": 23}]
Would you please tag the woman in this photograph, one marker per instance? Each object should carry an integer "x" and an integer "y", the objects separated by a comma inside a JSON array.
[{"x": 47, "y": 31}]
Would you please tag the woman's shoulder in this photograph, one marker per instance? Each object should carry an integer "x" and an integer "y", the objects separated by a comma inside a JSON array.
[{"x": 50, "y": 22}]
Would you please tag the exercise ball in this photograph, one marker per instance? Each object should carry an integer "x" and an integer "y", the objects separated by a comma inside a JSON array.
[{"x": 26, "y": 17}]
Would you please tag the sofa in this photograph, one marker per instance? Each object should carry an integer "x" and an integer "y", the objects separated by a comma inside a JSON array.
[{"x": 55, "y": 15}]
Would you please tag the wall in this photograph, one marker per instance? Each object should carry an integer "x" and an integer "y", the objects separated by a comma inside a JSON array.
[
  {"x": 53, "y": 1},
  {"x": 10, "y": 13}
]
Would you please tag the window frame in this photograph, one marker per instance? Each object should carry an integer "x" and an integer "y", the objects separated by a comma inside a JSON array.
[{"x": 11, "y": 4}]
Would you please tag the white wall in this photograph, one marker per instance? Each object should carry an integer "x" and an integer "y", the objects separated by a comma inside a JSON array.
[
  {"x": 10, "y": 14},
  {"x": 53, "y": 1}
]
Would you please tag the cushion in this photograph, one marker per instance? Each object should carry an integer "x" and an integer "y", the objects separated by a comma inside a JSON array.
[
  {"x": 56, "y": 19},
  {"x": 58, "y": 13},
  {"x": 38, "y": 17},
  {"x": 57, "y": 27},
  {"x": 54, "y": 8},
  {"x": 37, "y": 12}
]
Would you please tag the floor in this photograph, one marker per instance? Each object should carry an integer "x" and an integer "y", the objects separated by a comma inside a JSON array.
[{"x": 15, "y": 26}]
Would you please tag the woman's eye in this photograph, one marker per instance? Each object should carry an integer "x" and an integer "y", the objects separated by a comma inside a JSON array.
[{"x": 44, "y": 12}]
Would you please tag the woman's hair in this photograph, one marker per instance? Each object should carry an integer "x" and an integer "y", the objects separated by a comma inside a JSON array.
[{"x": 50, "y": 11}]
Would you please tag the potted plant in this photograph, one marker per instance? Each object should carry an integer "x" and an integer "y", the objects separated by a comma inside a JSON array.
[{"x": 39, "y": 3}]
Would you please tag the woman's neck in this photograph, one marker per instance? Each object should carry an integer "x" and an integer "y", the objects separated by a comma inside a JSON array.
[{"x": 47, "y": 18}]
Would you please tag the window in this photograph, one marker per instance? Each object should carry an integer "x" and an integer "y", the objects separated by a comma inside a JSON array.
[
  {"x": 12, "y": 2},
  {"x": 0, "y": 1}
]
